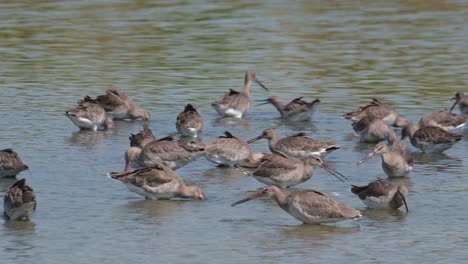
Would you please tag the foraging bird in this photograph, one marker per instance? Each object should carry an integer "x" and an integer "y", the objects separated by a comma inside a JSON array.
[
  {"x": 449, "y": 122},
  {"x": 286, "y": 171},
  {"x": 228, "y": 150},
  {"x": 89, "y": 115},
  {"x": 189, "y": 122},
  {"x": 119, "y": 106},
  {"x": 371, "y": 129},
  {"x": 429, "y": 139},
  {"x": 296, "y": 110},
  {"x": 167, "y": 151},
  {"x": 19, "y": 201},
  {"x": 157, "y": 182},
  {"x": 395, "y": 162},
  {"x": 382, "y": 194},
  {"x": 377, "y": 109},
  {"x": 307, "y": 206},
  {"x": 235, "y": 103},
  {"x": 462, "y": 100},
  {"x": 10, "y": 163},
  {"x": 298, "y": 145}
]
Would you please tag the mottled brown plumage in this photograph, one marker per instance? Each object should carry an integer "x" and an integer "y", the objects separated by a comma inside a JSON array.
[
  {"x": 382, "y": 194},
  {"x": 189, "y": 122},
  {"x": 285, "y": 171},
  {"x": 19, "y": 201},
  {"x": 377, "y": 109},
  {"x": 234, "y": 103},
  {"x": 157, "y": 182},
  {"x": 298, "y": 145},
  {"x": 167, "y": 151},
  {"x": 447, "y": 121},
  {"x": 228, "y": 150},
  {"x": 119, "y": 106},
  {"x": 429, "y": 139},
  {"x": 296, "y": 110},
  {"x": 371, "y": 129},
  {"x": 10, "y": 163},
  {"x": 89, "y": 115},
  {"x": 307, "y": 206}
]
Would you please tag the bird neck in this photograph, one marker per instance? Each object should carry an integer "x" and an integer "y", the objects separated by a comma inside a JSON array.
[
  {"x": 273, "y": 140},
  {"x": 280, "y": 199},
  {"x": 278, "y": 105},
  {"x": 247, "y": 84}
]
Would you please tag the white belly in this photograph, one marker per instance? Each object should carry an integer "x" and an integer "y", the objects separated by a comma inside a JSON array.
[{"x": 83, "y": 122}]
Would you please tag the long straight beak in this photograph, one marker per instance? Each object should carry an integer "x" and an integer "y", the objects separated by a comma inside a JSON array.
[
  {"x": 453, "y": 106},
  {"x": 366, "y": 158},
  {"x": 254, "y": 139},
  {"x": 334, "y": 173},
  {"x": 261, "y": 84},
  {"x": 255, "y": 196},
  {"x": 264, "y": 102},
  {"x": 404, "y": 200}
]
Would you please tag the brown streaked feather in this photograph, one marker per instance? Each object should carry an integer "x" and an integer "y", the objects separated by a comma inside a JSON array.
[
  {"x": 10, "y": 160},
  {"x": 435, "y": 135},
  {"x": 443, "y": 119},
  {"x": 18, "y": 194},
  {"x": 314, "y": 203},
  {"x": 115, "y": 99},
  {"x": 153, "y": 176},
  {"x": 377, "y": 188},
  {"x": 234, "y": 99},
  {"x": 275, "y": 162}
]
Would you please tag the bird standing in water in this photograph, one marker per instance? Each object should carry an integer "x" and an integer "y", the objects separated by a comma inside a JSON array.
[
  {"x": 307, "y": 206},
  {"x": 235, "y": 103}
]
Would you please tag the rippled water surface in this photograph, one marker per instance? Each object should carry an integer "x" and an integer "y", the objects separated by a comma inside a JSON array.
[{"x": 411, "y": 54}]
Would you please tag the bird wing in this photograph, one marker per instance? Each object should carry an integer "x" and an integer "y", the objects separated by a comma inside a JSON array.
[
  {"x": 9, "y": 160},
  {"x": 435, "y": 135},
  {"x": 276, "y": 163},
  {"x": 314, "y": 204},
  {"x": 234, "y": 99}
]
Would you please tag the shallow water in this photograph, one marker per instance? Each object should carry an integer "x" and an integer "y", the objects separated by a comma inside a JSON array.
[{"x": 412, "y": 54}]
